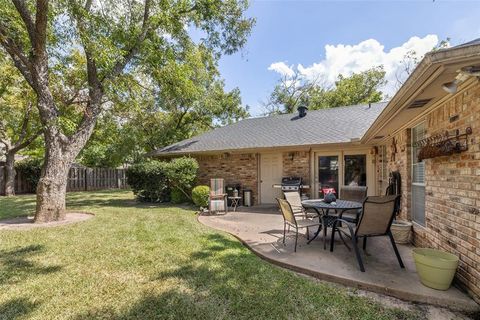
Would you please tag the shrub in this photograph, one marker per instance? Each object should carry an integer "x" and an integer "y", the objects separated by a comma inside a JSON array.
[
  {"x": 200, "y": 195},
  {"x": 30, "y": 169},
  {"x": 158, "y": 181},
  {"x": 177, "y": 196},
  {"x": 181, "y": 174},
  {"x": 148, "y": 181}
]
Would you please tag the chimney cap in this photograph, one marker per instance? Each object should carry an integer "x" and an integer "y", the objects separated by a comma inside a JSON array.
[{"x": 302, "y": 111}]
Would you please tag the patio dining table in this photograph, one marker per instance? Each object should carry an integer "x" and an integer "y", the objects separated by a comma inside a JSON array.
[{"x": 323, "y": 209}]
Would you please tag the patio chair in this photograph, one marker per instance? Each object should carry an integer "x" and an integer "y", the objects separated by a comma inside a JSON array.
[
  {"x": 217, "y": 200},
  {"x": 295, "y": 202},
  {"x": 353, "y": 193},
  {"x": 375, "y": 220},
  {"x": 290, "y": 220}
]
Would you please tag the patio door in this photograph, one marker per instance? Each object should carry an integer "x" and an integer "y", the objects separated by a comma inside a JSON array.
[
  {"x": 343, "y": 168},
  {"x": 328, "y": 173},
  {"x": 271, "y": 166}
]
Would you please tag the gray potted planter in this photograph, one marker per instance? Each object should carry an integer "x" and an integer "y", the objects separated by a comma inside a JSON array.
[
  {"x": 402, "y": 231},
  {"x": 435, "y": 268}
]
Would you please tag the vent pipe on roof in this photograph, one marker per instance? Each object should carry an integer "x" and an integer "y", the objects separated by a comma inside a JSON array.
[{"x": 302, "y": 111}]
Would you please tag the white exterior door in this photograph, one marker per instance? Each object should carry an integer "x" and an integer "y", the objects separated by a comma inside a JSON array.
[{"x": 270, "y": 174}]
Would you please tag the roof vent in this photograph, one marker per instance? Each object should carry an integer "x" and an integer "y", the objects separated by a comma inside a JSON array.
[
  {"x": 419, "y": 103},
  {"x": 302, "y": 111}
]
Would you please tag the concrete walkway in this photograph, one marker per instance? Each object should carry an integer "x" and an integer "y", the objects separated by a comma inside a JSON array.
[{"x": 262, "y": 232}]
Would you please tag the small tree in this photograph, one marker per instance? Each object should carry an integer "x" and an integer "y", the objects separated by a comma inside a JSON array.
[{"x": 19, "y": 125}]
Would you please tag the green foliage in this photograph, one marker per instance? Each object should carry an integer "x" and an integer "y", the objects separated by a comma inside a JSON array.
[
  {"x": 177, "y": 196},
  {"x": 148, "y": 181},
  {"x": 358, "y": 88},
  {"x": 30, "y": 169},
  {"x": 200, "y": 196},
  {"x": 182, "y": 173},
  {"x": 153, "y": 181}
]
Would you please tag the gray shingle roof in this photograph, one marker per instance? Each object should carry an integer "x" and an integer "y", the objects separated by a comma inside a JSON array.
[{"x": 335, "y": 125}]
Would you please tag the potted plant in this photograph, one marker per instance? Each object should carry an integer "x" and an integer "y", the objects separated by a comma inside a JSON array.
[
  {"x": 435, "y": 268},
  {"x": 402, "y": 231}
]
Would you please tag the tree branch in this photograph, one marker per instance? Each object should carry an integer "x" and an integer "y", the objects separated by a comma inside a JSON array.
[
  {"x": 27, "y": 142},
  {"x": 26, "y": 16},
  {"x": 41, "y": 20},
  {"x": 122, "y": 63},
  {"x": 17, "y": 55},
  {"x": 26, "y": 119}
]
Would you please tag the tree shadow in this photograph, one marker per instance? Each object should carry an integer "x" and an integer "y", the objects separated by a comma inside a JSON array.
[
  {"x": 224, "y": 280},
  {"x": 16, "y": 264},
  {"x": 16, "y": 308},
  {"x": 21, "y": 205},
  {"x": 114, "y": 198}
]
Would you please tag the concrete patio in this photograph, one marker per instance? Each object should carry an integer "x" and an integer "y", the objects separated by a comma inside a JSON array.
[{"x": 261, "y": 229}]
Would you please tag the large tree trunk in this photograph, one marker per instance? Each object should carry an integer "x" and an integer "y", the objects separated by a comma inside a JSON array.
[
  {"x": 52, "y": 186},
  {"x": 10, "y": 174}
]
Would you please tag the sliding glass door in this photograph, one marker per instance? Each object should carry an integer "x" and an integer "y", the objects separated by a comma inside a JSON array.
[
  {"x": 328, "y": 174},
  {"x": 337, "y": 169}
]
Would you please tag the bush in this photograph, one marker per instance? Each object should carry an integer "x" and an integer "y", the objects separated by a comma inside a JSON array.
[
  {"x": 182, "y": 173},
  {"x": 158, "y": 181},
  {"x": 30, "y": 169},
  {"x": 200, "y": 195},
  {"x": 148, "y": 181},
  {"x": 177, "y": 196}
]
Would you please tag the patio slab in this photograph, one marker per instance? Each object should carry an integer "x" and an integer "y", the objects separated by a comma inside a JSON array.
[{"x": 262, "y": 232}]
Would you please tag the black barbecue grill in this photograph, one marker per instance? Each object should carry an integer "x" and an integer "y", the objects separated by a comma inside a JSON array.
[{"x": 291, "y": 183}]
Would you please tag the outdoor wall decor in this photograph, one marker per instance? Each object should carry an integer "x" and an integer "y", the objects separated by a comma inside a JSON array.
[{"x": 443, "y": 144}]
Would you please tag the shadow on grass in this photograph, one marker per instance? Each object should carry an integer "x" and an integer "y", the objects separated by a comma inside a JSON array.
[
  {"x": 225, "y": 281},
  {"x": 15, "y": 264},
  {"x": 114, "y": 198},
  {"x": 16, "y": 308},
  {"x": 16, "y": 206}
]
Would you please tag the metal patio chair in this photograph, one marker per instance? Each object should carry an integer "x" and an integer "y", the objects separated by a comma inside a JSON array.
[
  {"x": 375, "y": 220},
  {"x": 290, "y": 220},
  {"x": 295, "y": 201},
  {"x": 353, "y": 193}
]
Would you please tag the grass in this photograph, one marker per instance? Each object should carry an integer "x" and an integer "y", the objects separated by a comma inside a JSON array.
[{"x": 137, "y": 261}]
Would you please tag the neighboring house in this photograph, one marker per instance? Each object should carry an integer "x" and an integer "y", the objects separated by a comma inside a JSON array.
[{"x": 363, "y": 144}]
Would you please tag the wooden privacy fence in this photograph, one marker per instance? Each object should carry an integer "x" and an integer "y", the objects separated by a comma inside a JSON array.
[{"x": 79, "y": 179}]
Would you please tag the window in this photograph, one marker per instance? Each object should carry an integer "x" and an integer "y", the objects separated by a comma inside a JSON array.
[
  {"x": 328, "y": 173},
  {"x": 418, "y": 177},
  {"x": 355, "y": 170}
]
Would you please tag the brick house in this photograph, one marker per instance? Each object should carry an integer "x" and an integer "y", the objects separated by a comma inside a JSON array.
[{"x": 363, "y": 144}]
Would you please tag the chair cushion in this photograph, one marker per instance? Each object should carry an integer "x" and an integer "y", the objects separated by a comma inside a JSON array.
[
  {"x": 217, "y": 205},
  {"x": 307, "y": 223}
]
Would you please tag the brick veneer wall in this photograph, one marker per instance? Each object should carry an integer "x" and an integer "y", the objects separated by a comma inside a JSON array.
[
  {"x": 234, "y": 168},
  {"x": 297, "y": 164},
  {"x": 452, "y": 198}
]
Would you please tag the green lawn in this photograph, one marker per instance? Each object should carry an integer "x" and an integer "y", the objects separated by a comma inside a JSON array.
[{"x": 135, "y": 261}]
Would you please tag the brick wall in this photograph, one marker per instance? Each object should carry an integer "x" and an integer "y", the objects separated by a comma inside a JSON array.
[
  {"x": 234, "y": 168},
  {"x": 297, "y": 164},
  {"x": 452, "y": 199}
]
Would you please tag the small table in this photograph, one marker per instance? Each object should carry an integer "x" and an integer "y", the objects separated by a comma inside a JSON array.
[
  {"x": 322, "y": 208},
  {"x": 235, "y": 202}
]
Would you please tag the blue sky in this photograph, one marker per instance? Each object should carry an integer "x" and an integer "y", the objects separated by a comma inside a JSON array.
[{"x": 296, "y": 32}]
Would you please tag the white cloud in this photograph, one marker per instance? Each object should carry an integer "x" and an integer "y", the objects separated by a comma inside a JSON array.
[
  {"x": 348, "y": 59},
  {"x": 282, "y": 69}
]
